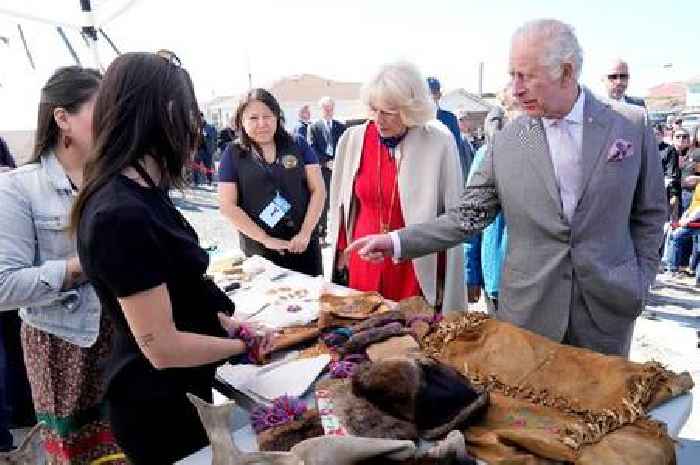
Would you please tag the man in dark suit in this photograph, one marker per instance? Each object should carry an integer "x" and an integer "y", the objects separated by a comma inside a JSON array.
[
  {"x": 450, "y": 120},
  {"x": 616, "y": 81},
  {"x": 325, "y": 134}
]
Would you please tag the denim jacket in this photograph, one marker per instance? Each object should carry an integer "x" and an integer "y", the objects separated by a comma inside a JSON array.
[{"x": 35, "y": 203}]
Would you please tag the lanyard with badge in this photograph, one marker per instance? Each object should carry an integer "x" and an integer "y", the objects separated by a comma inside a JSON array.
[{"x": 279, "y": 206}]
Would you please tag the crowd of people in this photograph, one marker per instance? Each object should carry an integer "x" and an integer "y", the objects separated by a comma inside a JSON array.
[{"x": 119, "y": 320}]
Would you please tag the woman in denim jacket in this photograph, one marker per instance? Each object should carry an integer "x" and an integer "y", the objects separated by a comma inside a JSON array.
[{"x": 40, "y": 273}]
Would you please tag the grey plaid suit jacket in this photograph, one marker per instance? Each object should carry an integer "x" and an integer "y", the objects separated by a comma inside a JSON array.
[{"x": 611, "y": 247}]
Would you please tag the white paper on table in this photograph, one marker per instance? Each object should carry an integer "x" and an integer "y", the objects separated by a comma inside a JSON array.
[{"x": 290, "y": 376}]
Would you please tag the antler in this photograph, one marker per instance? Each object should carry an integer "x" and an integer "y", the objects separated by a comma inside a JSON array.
[{"x": 24, "y": 455}]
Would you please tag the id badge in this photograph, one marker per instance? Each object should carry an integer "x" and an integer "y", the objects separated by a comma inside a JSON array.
[{"x": 275, "y": 211}]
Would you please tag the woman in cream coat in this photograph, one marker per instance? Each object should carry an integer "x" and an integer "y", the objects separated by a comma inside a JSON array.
[{"x": 401, "y": 167}]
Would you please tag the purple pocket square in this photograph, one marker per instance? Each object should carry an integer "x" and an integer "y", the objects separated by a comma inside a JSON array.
[{"x": 619, "y": 150}]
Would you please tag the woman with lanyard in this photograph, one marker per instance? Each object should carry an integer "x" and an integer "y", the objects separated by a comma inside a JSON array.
[
  {"x": 145, "y": 262},
  {"x": 400, "y": 168},
  {"x": 271, "y": 188}
]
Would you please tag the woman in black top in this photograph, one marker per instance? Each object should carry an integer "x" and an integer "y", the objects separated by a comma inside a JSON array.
[
  {"x": 271, "y": 188},
  {"x": 145, "y": 261}
]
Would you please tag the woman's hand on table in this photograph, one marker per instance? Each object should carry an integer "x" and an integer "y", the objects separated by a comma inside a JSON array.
[
  {"x": 299, "y": 243},
  {"x": 279, "y": 245}
]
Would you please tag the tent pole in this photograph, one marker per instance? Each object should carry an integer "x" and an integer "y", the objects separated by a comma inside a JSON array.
[{"x": 90, "y": 32}]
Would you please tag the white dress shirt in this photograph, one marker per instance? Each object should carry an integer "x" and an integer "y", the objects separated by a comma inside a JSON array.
[{"x": 565, "y": 140}]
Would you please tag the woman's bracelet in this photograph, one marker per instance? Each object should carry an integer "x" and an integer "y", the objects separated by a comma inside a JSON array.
[{"x": 251, "y": 341}]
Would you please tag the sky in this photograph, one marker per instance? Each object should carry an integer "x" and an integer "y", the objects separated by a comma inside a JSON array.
[{"x": 218, "y": 41}]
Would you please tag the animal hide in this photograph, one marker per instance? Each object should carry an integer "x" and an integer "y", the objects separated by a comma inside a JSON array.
[
  {"x": 286, "y": 436},
  {"x": 25, "y": 454},
  {"x": 550, "y": 400},
  {"x": 420, "y": 390},
  {"x": 324, "y": 450}
]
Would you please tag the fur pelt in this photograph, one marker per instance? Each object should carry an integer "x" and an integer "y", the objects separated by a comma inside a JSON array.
[
  {"x": 358, "y": 342},
  {"x": 433, "y": 397},
  {"x": 284, "y": 437},
  {"x": 362, "y": 418}
]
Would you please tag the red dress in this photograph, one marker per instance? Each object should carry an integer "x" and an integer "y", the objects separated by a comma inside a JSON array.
[{"x": 395, "y": 281}]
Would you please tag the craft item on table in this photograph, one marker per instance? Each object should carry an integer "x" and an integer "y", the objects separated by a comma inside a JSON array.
[
  {"x": 326, "y": 409},
  {"x": 325, "y": 450},
  {"x": 289, "y": 337},
  {"x": 346, "y": 367},
  {"x": 358, "y": 342},
  {"x": 422, "y": 391},
  {"x": 354, "y": 415},
  {"x": 341, "y": 310},
  {"x": 538, "y": 409},
  {"x": 292, "y": 301},
  {"x": 392, "y": 347},
  {"x": 285, "y": 436},
  {"x": 283, "y": 410},
  {"x": 402, "y": 398},
  {"x": 253, "y": 344},
  {"x": 221, "y": 264},
  {"x": 293, "y": 308}
]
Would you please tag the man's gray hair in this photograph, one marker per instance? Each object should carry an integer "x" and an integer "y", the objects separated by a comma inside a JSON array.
[{"x": 558, "y": 43}]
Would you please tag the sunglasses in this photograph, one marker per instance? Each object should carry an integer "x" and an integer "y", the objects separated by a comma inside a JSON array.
[
  {"x": 622, "y": 77},
  {"x": 170, "y": 57}
]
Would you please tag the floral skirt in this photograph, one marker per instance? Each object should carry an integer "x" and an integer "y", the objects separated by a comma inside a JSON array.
[{"x": 67, "y": 390}]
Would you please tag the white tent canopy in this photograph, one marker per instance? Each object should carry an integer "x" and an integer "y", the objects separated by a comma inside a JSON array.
[{"x": 65, "y": 21}]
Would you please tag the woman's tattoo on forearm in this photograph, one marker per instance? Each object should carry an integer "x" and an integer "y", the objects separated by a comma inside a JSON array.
[{"x": 146, "y": 340}]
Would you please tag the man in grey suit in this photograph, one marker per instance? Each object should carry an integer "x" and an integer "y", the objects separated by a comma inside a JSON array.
[
  {"x": 579, "y": 182},
  {"x": 616, "y": 81}
]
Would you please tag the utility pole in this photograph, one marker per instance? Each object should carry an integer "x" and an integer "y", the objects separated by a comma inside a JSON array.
[{"x": 481, "y": 79}]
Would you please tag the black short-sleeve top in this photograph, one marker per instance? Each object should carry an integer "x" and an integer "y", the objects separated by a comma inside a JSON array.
[{"x": 131, "y": 238}]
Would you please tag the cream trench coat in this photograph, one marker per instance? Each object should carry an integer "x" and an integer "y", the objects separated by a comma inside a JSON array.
[{"x": 430, "y": 182}]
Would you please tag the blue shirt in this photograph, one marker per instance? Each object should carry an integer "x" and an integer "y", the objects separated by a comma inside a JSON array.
[
  {"x": 484, "y": 258},
  {"x": 450, "y": 120},
  {"x": 228, "y": 169}
]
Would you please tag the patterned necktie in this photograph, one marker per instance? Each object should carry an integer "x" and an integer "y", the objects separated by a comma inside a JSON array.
[{"x": 567, "y": 167}]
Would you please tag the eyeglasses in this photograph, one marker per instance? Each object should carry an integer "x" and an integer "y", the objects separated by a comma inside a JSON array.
[
  {"x": 170, "y": 57},
  {"x": 621, "y": 77},
  {"x": 682, "y": 136}
]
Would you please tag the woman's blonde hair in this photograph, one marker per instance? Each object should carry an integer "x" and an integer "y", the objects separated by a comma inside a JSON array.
[{"x": 402, "y": 86}]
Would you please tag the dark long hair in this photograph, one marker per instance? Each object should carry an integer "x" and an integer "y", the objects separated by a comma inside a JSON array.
[
  {"x": 68, "y": 88},
  {"x": 146, "y": 106},
  {"x": 283, "y": 139}
]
